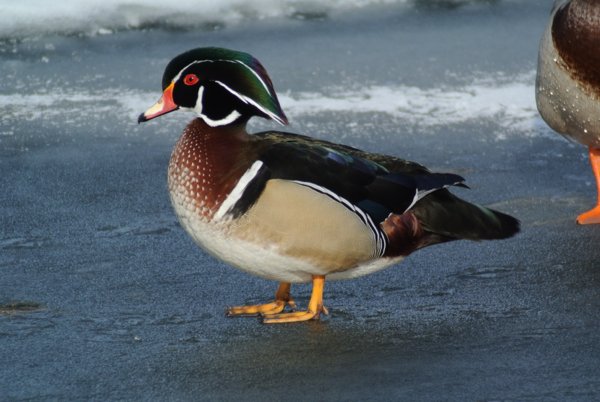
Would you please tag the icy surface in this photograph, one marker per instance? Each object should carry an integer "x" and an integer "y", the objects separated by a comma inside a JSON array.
[{"x": 104, "y": 297}]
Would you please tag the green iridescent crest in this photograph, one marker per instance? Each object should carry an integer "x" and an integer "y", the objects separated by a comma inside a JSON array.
[{"x": 239, "y": 73}]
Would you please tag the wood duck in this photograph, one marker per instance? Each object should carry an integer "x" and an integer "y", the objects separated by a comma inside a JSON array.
[
  {"x": 568, "y": 80},
  {"x": 292, "y": 208}
]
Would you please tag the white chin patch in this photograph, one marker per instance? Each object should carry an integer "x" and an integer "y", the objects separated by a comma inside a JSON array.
[{"x": 230, "y": 118}]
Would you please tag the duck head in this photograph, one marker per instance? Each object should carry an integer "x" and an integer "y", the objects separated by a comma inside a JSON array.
[{"x": 222, "y": 86}]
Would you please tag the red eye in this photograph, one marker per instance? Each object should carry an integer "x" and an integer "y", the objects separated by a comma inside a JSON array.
[{"x": 191, "y": 79}]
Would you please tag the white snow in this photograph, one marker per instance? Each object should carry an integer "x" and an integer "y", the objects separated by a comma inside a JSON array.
[
  {"x": 508, "y": 103},
  {"x": 34, "y": 17}
]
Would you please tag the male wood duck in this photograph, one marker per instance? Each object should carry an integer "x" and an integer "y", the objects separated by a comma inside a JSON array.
[
  {"x": 568, "y": 80},
  {"x": 292, "y": 208}
]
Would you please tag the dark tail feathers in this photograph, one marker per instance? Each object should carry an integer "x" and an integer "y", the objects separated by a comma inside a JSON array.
[{"x": 443, "y": 214}]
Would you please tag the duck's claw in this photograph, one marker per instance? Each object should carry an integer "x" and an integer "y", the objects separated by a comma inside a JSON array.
[
  {"x": 274, "y": 307},
  {"x": 282, "y": 299},
  {"x": 593, "y": 215},
  {"x": 315, "y": 307},
  {"x": 296, "y": 316},
  {"x": 590, "y": 217}
]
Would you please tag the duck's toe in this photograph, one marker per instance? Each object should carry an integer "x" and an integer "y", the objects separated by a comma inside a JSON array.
[
  {"x": 282, "y": 299},
  {"x": 296, "y": 316},
  {"x": 274, "y": 307},
  {"x": 590, "y": 217},
  {"x": 313, "y": 312}
]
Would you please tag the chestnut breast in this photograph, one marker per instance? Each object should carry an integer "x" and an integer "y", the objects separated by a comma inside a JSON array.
[{"x": 205, "y": 165}]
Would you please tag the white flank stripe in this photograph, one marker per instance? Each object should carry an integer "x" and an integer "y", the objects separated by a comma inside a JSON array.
[
  {"x": 380, "y": 238},
  {"x": 238, "y": 190}
]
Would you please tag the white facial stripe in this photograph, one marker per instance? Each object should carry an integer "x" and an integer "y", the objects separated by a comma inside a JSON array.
[
  {"x": 176, "y": 78},
  {"x": 251, "y": 101},
  {"x": 264, "y": 84},
  {"x": 255, "y": 74},
  {"x": 198, "y": 105},
  {"x": 238, "y": 190},
  {"x": 237, "y": 94},
  {"x": 235, "y": 114},
  {"x": 265, "y": 111},
  {"x": 230, "y": 118}
]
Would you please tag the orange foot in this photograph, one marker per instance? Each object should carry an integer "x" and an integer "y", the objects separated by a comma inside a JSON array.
[
  {"x": 590, "y": 217},
  {"x": 593, "y": 215},
  {"x": 282, "y": 299},
  {"x": 315, "y": 307}
]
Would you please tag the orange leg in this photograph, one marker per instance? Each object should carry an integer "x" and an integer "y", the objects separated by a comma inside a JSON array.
[
  {"x": 315, "y": 306},
  {"x": 593, "y": 215},
  {"x": 282, "y": 299}
]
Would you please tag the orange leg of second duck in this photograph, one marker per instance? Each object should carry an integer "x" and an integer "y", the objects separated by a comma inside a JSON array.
[
  {"x": 315, "y": 306},
  {"x": 593, "y": 215},
  {"x": 282, "y": 299}
]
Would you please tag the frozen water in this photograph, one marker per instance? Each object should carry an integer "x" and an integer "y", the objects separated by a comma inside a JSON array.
[{"x": 104, "y": 297}]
